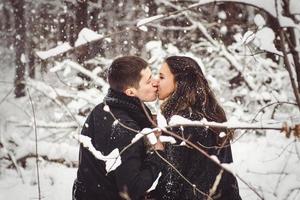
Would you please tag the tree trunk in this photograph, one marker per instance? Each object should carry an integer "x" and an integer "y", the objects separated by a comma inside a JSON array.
[
  {"x": 6, "y": 14},
  {"x": 31, "y": 59},
  {"x": 31, "y": 31},
  {"x": 19, "y": 45},
  {"x": 94, "y": 23},
  {"x": 81, "y": 22},
  {"x": 72, "y": 34},
  {"x": 62, "y": 27},
  {"x": 293, "y": 43},
  {"x": 81, "y": 15}
]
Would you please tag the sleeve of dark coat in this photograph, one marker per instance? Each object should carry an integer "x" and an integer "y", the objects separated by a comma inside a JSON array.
[{"x": 138, "y": 170}]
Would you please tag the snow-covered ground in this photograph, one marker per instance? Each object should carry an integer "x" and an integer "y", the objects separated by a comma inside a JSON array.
[
  {"x": 268, "y": 163},
  {"x": 55, "y": 182}
]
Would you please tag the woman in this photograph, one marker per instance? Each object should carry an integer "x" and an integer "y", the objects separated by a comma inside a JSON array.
[{"x": 186, "y": 92}]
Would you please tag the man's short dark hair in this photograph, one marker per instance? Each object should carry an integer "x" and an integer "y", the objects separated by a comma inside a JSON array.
[{"x": 126, "y": 72}]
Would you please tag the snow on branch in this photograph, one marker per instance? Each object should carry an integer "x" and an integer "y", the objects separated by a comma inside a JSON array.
[
  {"x": 152, "y": 138},
  {"x": 69, "y": 63},
  {"x": 269, "y": 6},
  {"x": 85, "y": 36},
  {"x": 59, "y": 49},
  {"x": 56, "y": 94},
  {"x": 44, "y": 124},
  {"x": 88, "y": 36},
  {"x": 177, "y": 121},
  {"x": 112, "y": 160},
  {"x": 154, "y": 184},
  {"x": 148, "y": 20}
]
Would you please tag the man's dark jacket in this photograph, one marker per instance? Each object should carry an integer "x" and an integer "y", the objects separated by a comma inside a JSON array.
[{"x": 139, "y": 168}]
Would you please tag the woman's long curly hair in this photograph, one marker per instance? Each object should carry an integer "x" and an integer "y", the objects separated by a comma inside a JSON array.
[{"x": 192, "y": 92}]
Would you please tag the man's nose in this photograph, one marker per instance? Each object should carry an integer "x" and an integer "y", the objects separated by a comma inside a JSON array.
[{"x": 154, "y": 82}]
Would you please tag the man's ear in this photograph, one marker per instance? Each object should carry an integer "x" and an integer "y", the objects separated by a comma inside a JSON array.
[{"x": 130, "y": 92}]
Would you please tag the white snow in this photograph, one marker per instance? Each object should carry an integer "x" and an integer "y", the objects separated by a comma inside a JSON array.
[
  {"x": 112, "y": 160},
  {"x": 137, "y": 137},
  {"x": 166, "y": 139},
  {"x": 54, "y": 51},
  {"x": 222, "y": 134},
  {"x": 222, "y": 14},
  {"x": 142, "y": 22},
  {"x": 294, "y": 7},
  {"x": 153, "y": 186},
  {"x": 215, "y": 158},
  {"x": 56, "y": 183},
  {"x": 259, "y": 20},
  {"x": 161, "y": 121},
  {"x": 23, "y": 58},
  {"x": 248, "y": 37},
  {"x": 106, "y": 108},
  {"x": 86, "y": 35},
  {"x": 266, "y": 160},
  {"x": 264, "y": 39},
  {"x": 152, "y": 138}
]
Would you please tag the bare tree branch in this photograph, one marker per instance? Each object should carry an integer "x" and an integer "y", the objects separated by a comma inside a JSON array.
[{"x": 270, "y": 104}]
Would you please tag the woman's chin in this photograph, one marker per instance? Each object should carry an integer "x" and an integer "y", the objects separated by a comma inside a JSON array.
[{"x": 161, "y": 98}]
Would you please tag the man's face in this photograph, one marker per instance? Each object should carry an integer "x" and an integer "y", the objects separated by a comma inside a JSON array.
[{"x": 147, "y": 90}]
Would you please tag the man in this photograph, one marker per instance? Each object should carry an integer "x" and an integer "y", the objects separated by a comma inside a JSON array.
[{"x": 131, "y": 82}]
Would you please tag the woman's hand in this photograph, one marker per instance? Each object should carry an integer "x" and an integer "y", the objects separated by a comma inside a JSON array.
[{"x": 159, "y": 145}]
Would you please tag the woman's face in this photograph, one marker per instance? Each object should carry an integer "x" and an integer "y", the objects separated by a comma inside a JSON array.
[{"x": 166, "y": 85}]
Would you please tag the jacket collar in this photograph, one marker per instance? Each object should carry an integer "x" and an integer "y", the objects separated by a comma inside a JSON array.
[{"x": 132, "y": 105}]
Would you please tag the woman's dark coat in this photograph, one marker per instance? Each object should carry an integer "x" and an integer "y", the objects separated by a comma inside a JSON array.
[{"x": 197, "y": 168}]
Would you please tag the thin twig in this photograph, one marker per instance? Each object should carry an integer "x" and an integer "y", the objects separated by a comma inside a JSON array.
[
  {"x": 216, "y": 183},
  {"x": 124, "y": 149},
  {"x": 7, "y": 82},
  {"x": 66, "y": 107},
  {"x": 9, "y": 92},
  {"x": 297, "y": 149},
  {"x": 56, "y": 101},
  {"x": 282, "y": 174},
  {"x": 222, "y": 125},
  {"x": 270, "y": 104},
  {"x": 147, "y": 114},
  {"x": 36, "y": 146},
  {"x": 12, "y": 158},
  {"x": 127, "y": 127},
  {"x": 290, "y": 192}
]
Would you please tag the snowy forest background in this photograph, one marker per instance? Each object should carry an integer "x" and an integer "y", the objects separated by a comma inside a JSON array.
[{"x": 54, "y": 55}]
